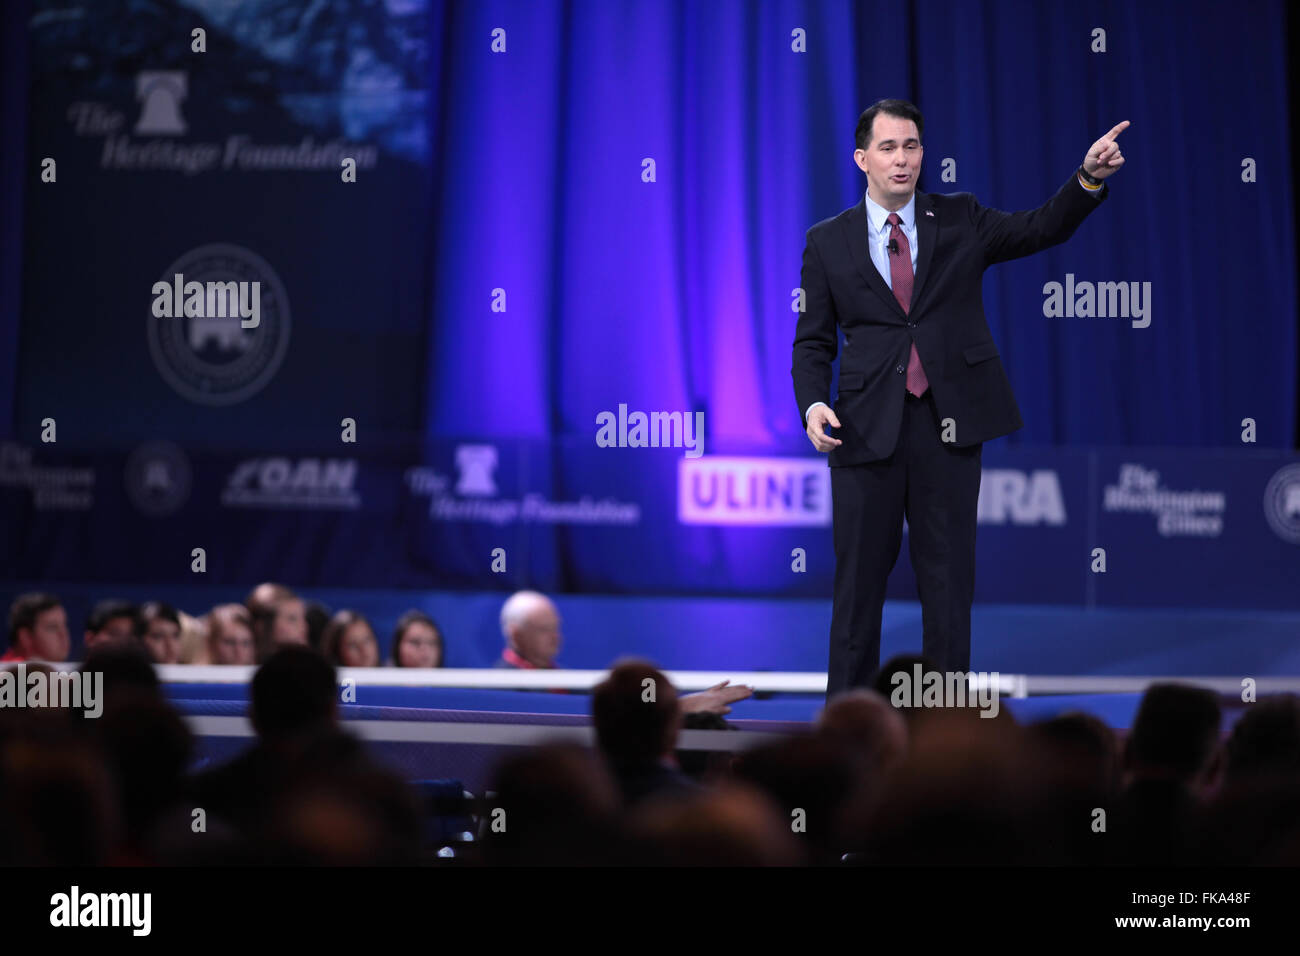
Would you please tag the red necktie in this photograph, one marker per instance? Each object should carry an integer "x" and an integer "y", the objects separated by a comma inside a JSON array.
[{"x": 900, "y": 275}]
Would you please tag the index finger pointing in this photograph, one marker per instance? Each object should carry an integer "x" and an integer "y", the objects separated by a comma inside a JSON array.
[{"x": 1118, "y": 128}]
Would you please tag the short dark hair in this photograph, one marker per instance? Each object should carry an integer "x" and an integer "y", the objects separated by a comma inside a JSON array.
[
  {"x": 414, "y": 617},
  {"x": 318, "y": 618},
  {"x": 152, "y": 611},
  {"x": 1266, "y": 738},
  {"x": 1176, "y": 729},
  {"x": 105, "y": 611},
  {"x": 901, "y": 109},
  {"x": 292, "y": 691},
  {"x": 630, "y": 729},
  {"x": 26, "y": 609}
]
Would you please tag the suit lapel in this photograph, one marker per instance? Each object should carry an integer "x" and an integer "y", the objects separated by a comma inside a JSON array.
[
  {"x": 927, "y": 231},
  {"x": 857, "y": 229},
  {"x": 857, "y": 232}
]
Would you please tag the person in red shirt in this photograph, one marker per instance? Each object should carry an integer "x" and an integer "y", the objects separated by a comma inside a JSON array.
[{"x": 38, "y": 629}]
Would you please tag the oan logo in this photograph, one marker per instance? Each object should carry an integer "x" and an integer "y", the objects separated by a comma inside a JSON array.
[
  {"x": 215, "y": 357},
  {"x": 312, "y": 483},
  {"x": 1282, "y": 503},
  {"x": 158, "y": 478}
]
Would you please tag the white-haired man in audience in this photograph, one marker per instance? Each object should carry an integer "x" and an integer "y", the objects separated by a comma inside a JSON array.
[{"x": 530, "y": 626}]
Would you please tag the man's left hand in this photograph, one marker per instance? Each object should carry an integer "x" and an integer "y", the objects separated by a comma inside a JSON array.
[{"x": 1104, "y": 156}]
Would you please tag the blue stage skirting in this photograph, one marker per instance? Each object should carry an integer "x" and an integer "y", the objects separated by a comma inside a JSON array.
[{"x": 473, "y": 763}]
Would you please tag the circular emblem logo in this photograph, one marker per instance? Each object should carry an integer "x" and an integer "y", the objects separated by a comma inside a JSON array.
[
  {"x": 1282, "y": 503},
  {"x": 219, "y": 357},
  {"x": 158, "y": 478}
]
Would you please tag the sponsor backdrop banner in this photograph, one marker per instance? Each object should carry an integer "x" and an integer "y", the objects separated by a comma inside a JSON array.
[
  {"x": 180, "y": 173},
  {"x": 1169, "y": 528}
]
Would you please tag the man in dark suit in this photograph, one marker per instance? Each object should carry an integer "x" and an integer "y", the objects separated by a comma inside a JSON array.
[{"x": 921, "y": 386}]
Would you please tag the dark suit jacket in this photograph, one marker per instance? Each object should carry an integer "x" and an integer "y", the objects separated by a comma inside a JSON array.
[{"x": 843, "y": 287}]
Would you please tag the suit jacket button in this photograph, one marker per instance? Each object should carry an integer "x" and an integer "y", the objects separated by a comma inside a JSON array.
[
  {"x": 900, "y": 370},
  {"x": 911, "y": 325}
]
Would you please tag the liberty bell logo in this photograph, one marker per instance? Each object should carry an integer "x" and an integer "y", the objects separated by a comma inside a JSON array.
[
  {"x": 476, "y": 464},
  {"x": 160, "y": 93}
]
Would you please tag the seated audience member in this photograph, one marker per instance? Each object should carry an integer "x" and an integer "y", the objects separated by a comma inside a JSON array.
[
  {"x": 230, "y": 635},
  {"x": 292, "y": 699},
  {"x": 1254, "y": 820},
  {"x": 38, "y": 629},
  {"x": 872, "y": 733},
  {"x": 112, "y": 623},
  {"x": 56, "y": 792},
  {"x": 306, "y": 791},
  {"x": 1172, "y": 759},
  {"x": 1265, "y": 740},
  {"x": 349, "y": 641},
  {"x": 126, "y": 671},
  {"x": 638, "y": 736},
  {"x": 863, "y": 720},
  {"x": 162, "y": 632},
  {"x": 813, "y": 779},
  {"x": 279, "y": 617},
  {"x": 964, "y": 794},
  {"x": 561, "y": 808},
  {"x": 194, "y": 639},
  {"x": 1076, "y": 759},
  {"x": 530, "y": 625},
  {"x": 734, "y": 825},
  {"x": 318, "y": 618},
  {"x": 894, "y": 691},
  {"x": 417, "y": 641}
]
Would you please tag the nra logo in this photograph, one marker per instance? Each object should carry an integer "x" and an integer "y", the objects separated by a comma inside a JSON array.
[
  {"x": 313, "y": 483},
  {"x": 1020, "y": 498}
]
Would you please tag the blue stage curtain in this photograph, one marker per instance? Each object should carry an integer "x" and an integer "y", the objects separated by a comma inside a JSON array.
[{"x": 676, "y": 294}]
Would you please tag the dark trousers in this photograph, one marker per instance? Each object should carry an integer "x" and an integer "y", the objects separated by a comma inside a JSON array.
[{"x": 937, "y": 486}]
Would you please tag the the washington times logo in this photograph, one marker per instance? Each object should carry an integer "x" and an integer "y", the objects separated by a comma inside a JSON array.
[
  {"x": 1282, "y": 503},
  {"x": 158, "y": 478},
  {"x": 219, "y": 326},
  {"x": 53, "y": 487},
  {"x": 1178, "y": 513}
]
